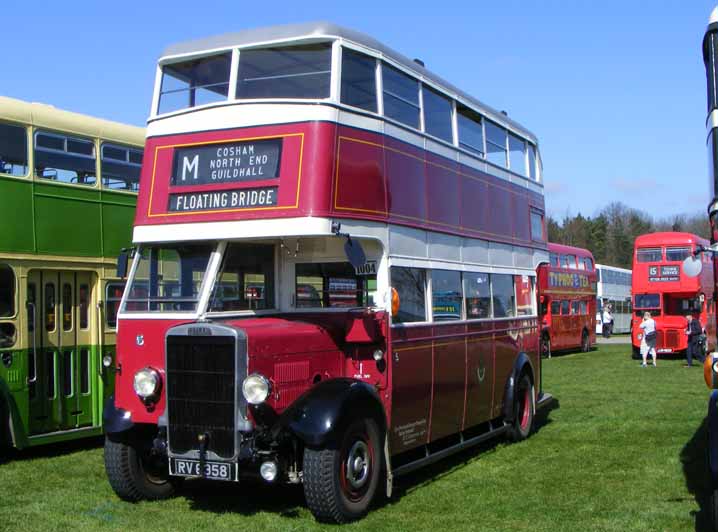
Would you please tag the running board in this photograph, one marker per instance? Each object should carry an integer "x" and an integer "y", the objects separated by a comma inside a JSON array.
[
  {"x": 544, "y": 400},
  {"x": 438, "y": 455}
]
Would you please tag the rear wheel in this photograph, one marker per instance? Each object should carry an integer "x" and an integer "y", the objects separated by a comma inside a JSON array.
[
  {"x": 135, "y": 474},
  {"x": 523, "y": 421},
  {"x": 585, "y": 342},
  {"x": 545, "y": 345},
  {"x": 340, "y": 481}
]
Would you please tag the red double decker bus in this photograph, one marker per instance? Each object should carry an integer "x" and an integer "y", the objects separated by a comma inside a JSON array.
[
  {"x": 660, "y": 286},
  {"x": 567, "y": 299},
  {"x": 334, "y": 274}
]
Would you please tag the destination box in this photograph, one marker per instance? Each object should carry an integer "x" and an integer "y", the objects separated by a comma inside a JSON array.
[
  {"x": 224, "y": 199},
  {"x": 226, "y": 163}
]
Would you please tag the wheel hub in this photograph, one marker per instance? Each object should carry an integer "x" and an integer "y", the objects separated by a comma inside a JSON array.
[{"x": 358, "y": 465}]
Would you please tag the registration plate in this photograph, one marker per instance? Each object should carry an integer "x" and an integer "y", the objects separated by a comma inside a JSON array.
[{"x": 192, "y": 468}]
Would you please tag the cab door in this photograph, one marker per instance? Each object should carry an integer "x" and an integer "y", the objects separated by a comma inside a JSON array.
[{"x": 87, "y": 369}]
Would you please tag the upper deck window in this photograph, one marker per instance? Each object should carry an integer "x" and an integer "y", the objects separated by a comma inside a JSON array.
[
  {"x": 589, "y": 263},
  {"x": 64, "y": 159},
  {"x": 195, "y": 82},
  {"x": 517, "y": 154},
  {"x": 13, "y": 150},
  {"x": 285, "y": 72},
  {"x": 571, "y": 262},
  {"x": 677, "y": 254},
  {"x": 401, "y": 96},
  {"x": 437, "y": 114},
  {"x": 120, "y": 167},
  {"x": 533, "y": 173},
  {"x": 470, "y": 130},
  {"x": 649, "y": 255},
  {"x": 496, "y": 144},
  {"x": 358, "y": 80},
  {"x": 553, "y": 259}
]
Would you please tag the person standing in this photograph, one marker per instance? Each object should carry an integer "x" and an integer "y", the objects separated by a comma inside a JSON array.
[
  {"x": 694, "y": 332},
  {"x": 606, "y": 321},
  {"x": 648, "y": 340}
]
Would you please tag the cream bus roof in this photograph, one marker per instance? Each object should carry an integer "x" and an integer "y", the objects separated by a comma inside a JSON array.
[
  {"x": 47, "y": 116},
  {"x": 323, "y": 30}
]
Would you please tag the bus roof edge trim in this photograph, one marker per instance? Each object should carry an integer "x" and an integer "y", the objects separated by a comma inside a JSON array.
[{"x": 328, "y": 30}]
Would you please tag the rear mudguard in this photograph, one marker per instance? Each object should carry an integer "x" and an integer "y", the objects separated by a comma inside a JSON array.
[
  {"x": 317, "y": 414},
  {"x": 713, "y": 435},
  {"x": 521, "y": 363}
]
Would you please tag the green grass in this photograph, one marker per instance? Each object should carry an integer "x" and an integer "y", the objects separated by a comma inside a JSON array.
[{"x": 612, "y": 456}]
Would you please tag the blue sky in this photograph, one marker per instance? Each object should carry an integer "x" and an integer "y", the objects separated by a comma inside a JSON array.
[{"x": 614, "y": 90}]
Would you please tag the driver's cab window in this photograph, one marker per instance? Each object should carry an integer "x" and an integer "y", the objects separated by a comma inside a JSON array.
[
  {"x": 246, "y": 279},
  {"x": 332, "y": 285},
  {"x": 7, "y": 306}
]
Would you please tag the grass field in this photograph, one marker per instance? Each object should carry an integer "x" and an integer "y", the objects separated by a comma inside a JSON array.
[{"x": 624, "y": 450}]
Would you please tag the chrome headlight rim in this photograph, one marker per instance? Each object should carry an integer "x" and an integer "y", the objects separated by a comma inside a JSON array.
[
  {"x": 256, "y": 388},
  {"x": 147, "y": 376}
]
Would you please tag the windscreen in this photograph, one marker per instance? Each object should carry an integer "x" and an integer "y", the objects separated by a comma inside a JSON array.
[
  {"x": 168, "y": 278},
  {"x": 647, "y": 301}
]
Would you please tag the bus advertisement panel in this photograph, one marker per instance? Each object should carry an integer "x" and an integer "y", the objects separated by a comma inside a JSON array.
[
  {"x": 69, "y": 183},
  {"x": 393, "y": 261},
  {"x": 660, "y": 286},
  {"x": 567, "y": 299}
]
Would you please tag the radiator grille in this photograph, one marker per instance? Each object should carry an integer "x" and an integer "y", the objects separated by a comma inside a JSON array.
[
  {"x": 201, "y": 380},
  {"x": 672, "y": 338}
]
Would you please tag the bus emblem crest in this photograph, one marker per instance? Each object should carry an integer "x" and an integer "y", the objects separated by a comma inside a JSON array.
[{"x": 140, "y": 340}]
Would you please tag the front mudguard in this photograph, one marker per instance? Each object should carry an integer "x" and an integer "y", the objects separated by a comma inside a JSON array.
[
  {"x": 521, "y": 363},
  {"x": 713, "y": 435},
  {"x": 316, "y": 415},
  {"x": 115, "y": 420}
]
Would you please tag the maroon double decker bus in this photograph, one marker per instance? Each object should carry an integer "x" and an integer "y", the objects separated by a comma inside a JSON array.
[
  {"x": 567, "y": 299},
  {"x": 334, "y": 274}
]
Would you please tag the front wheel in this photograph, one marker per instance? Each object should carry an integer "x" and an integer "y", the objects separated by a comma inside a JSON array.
[
  {"x": 585, "y": 342},
  {"x": 523, "y": 421},
  {"x": 135, "y": 474},
  {"x": 340, "y": 481}
]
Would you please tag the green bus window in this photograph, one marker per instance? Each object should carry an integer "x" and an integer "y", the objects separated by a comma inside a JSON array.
[
  {"x": 84, "y": 371},
  {"x": 120, "y": 167},
  {"x": 113, "y": 296},
  {"x": 64, "y": 159},
  {"x": 66, "y": 307},
  {"x": 67, "y": 373},
  {"x": 7, "y": 335},
  {"x": 49, "y": 307},
  {"x": 84, "y": 297},
  {"x": 7, "y": 291},
  {"x": 13, "y": 150}
]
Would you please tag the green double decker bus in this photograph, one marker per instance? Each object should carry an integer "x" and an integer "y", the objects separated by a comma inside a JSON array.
[{"x": 68, "y": 189}]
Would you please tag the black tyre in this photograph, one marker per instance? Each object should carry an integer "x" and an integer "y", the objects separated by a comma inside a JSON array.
[
  {"x": 636, "y": 353},
  {"x": 524, "y": 403},
  {"x": 135, "y": 475},
  {"x": 585, "y": 342},
  {"x": 714, "y": 510},
  {"x": 545, "y": 345},
  {"x": 340, "y": 481}
]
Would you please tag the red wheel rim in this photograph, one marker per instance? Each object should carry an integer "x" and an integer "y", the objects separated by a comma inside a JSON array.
[{"x": 525, "y": 408}]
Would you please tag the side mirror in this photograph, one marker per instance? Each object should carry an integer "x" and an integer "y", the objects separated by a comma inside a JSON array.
[
  {"x": 122, "y": 261},
  {"x": 692, "y": 266}
]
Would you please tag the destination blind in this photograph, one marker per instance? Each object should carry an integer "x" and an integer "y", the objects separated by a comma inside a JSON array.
[
  {"x": 226, "y": 163},
  {"x": 225, "y": 199}
]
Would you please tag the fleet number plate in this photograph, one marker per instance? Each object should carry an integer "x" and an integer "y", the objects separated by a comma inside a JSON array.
[{"x": 191, "y": 468}]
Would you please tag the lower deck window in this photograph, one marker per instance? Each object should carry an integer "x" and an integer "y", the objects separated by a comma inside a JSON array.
[
  {"x": 332, "y": 285},
  {"x": 410, "y": 284},
  {"x": 7, "y": 291}
]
